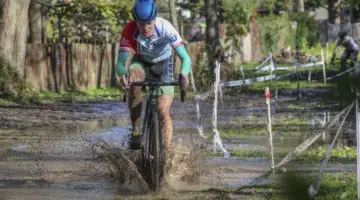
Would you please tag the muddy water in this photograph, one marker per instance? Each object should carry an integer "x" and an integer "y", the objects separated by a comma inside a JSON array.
[{"x": 46, "y": 152}]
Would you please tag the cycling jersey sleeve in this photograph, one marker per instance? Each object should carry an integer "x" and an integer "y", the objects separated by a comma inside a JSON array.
[
  {"x": 185, "y": 60},
  {"x": 121, "y": 63},
  {"x": 173, "y": 35},
  {"x": 127, "y": 42}
]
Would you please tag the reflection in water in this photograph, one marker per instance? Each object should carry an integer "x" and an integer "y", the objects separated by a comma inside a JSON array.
[{"x": 117, "y": 136}]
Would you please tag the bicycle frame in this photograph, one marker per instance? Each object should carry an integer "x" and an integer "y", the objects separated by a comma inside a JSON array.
[
  {"x": 152, "y": 153},
  {"x": 150, "y": 106}
]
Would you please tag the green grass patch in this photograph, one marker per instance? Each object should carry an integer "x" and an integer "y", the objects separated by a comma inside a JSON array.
[
  {"x": 6, "y": 102},
  {"x": 310, "y": 106},
  {"x": 316, "y": 155},
  {"x": 109, "y": 94},
  {"x": 93, "y": 95},
  {"x": 346, "y": 154},
  {"x": 340, "y": 186},
  {"x": 285, "y": 125},
  {"x": 288, "y": 85}
]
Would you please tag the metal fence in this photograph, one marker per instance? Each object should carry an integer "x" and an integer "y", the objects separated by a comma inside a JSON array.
[{"x": 329, "y": 32}]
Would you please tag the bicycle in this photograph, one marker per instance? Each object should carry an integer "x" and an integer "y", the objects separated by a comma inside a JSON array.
[
  {"x": 152, "y": 151},
  {"x": 347, "y": 78}
]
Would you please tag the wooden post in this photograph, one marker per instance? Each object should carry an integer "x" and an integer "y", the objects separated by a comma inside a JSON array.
[
  {"x": 323, "y": 125},
  {"x": 242, "y": 72},
  {"x": 358, "y": 144},
  {"x": 327, "y": 54},
  {"x": 269, "y": 129},
  {"x": 298, "y": 83},
  {"x": 323, "y": 64}
]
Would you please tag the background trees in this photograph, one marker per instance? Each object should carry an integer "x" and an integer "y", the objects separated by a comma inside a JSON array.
[{"x": 13, "y": 32}]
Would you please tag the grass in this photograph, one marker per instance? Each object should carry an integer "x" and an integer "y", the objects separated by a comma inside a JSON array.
[
  {"x": 328, "y": 105},
  {"x": 340, "y": 186},
  {"x": 94, "y": 95},
  {"x": 287, "y": 125},
  {"x": 346, "y": 154},
  {"x": 290, "y": 82},
  {"x": 315, "y": 155},
  {"x": 110, "y": 94},
  {"x": 6, "y": 102}
]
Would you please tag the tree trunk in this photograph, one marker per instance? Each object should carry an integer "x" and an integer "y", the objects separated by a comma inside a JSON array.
[
  {"x": 13, "y": 32},
  {"x": 212, "y": 33},
  {"x": 299, "y": 6},
  {"x": 173, "y": 14},
  {"x": 35, "y": 23},
  {"x": 173, "y": 17},
  {"x": 333, "y": 10}
]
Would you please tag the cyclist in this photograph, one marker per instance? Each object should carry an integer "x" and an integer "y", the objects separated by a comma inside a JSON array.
[
  {"x": 151, "y": 39},
  {"x": 351, "y": 49}
]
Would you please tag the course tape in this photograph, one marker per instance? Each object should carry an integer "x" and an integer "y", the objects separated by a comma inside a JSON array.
[
  {"x": 216, "y": 136},
  {"x": 197, "y": 104},
  {"x": 342, "y": 73},
  {"x": 314, "y": 187},
  {"x": 307, "y": 143}
]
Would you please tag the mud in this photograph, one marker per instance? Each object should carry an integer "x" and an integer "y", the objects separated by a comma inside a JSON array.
[{"x": 79, "y": 151}]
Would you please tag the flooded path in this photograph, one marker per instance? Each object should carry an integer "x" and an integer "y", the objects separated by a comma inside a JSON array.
[{"x": 46, "y": 152}]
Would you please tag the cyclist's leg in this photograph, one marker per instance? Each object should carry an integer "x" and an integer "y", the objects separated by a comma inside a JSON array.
[
  {"x": 136, "y": 73},
  {"x": 165, "y": 99},
  {"x": 343, "y": 58},
  {"x": 164, "y": 105},
  {"x": 354, "y": 60}
]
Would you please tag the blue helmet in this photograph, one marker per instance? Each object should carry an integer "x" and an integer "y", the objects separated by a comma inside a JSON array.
[
  {"x": 144, "y": 11},
  {"x": 342, "y": 33}
]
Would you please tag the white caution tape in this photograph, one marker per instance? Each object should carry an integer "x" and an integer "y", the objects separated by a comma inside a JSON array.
[
  {"x": 301, "y": 66},
  {"x": 263, "y": 63},
  {"x": 314, "y": 187},
  {"x": 342, "y": 73},
  {"x": 247, "y": 81},
  {"x": 197, "y": 103},
  {"x": 216, "y": 136},
  {"x": 307, "y": 143}
]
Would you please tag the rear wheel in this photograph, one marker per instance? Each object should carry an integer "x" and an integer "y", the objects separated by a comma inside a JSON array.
[{"x": 155, "y": 151}]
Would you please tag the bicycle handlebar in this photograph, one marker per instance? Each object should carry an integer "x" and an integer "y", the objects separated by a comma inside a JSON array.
[{"x": 156, "y": 83}]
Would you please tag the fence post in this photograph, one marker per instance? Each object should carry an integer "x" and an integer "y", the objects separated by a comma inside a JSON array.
[
  {"x": 327, "y": 54},
  {"x": 358, "y": 144},
  {"x": 269, "y": 128},
  {"x": 323, "y": 64},
  {"x": 242, "y": 72},
  {"x": 216, "y": 136}
]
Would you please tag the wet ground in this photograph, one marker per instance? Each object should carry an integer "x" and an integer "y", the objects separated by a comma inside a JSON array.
[{"x": 47, "y": 152}]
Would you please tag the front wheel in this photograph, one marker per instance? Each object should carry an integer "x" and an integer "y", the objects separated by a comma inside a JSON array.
[{"x": 155, "y": 157}]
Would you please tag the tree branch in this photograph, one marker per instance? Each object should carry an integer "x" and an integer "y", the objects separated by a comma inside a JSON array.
[{"x": 322, "y": 6}]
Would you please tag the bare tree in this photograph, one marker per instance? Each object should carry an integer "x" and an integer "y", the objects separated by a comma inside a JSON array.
[
  {"x": 299, "y": 6},
  {"x": 35, "y": 22},
  {"x": 212, "y": 32},
  {"x": 173, "y": 15},
  {"x": 334, "y": 10},
  {"x": 13, "y": 32}
]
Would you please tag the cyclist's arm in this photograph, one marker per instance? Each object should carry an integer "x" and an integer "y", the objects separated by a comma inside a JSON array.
[
  {"x": 126, "y": 46},
  {"x": 337, "y": 45},
  {"x": 121, "y": 62},
  {"x": 185, "y": 60}
]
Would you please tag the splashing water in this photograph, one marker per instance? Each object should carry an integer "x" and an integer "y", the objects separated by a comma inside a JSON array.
[{"x": 216, "y": 136}]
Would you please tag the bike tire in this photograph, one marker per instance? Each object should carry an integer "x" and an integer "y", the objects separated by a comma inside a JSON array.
[{"x": 155, "y": 151}]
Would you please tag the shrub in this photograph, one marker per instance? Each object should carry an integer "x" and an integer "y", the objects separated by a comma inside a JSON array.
[
  {"x": 306, "y": 31},
  {"x": 13, "y": 87}
]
